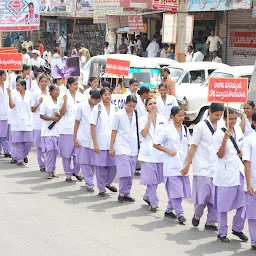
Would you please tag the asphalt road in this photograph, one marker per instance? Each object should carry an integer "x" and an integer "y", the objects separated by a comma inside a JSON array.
[{"x": 40, "y": 217}]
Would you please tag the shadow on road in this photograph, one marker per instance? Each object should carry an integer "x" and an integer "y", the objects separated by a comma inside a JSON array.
[{"x": 154, "y": 225}]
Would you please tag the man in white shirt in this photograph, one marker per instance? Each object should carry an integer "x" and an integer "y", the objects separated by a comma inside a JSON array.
[
  {"x": 198, "y": 56},
  {"x": 26, "y": 57},
  {"x": 36, "y": 61},
  {"x": 164, "y": 52},
  {"x": 107, "y": 49},
  {"x": 189, "y": 55},
  {"x": 215, "y": 57},
  {"x": 214, "y": 41},
  {"x": 26, "y": 44},
  {"x": 63, "y": 43},
  {"x": 153, "y": 48},
  {"x": 47, "y": 55}
]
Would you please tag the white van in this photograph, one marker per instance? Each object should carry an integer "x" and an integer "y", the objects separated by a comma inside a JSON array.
[{"x": 196, "y": 100}]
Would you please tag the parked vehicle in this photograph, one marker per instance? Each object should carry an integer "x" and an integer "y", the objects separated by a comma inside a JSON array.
[{"x": 196, "y": 100}]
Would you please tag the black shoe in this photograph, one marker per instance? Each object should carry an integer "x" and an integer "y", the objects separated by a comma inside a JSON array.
[
  {"x": 69, "y": 180},
  {"x": 78, "y": 177},
  {"x": 102, "y": 194},
  {"x": 241, "y": 235},
  {"x": 195, "y": 222},
  {"x": 25, "y": 160},
  {"x": 6, "y": 155},
  {"x": 211, "y": 227},
  {"x": 147, "y": 201},
  {"x": 153, "y": 208},
  {"x": 120, "y": 199},
  {"x": 111, "y": 188},
  {"x": 13, "y": 161},
  {"x": 129, "y": 199},
  {"x": 223, "y": 239},
  {"x": 20, "y": 164},
  {"x": 42, "y": 169},
  {"x": 137, "y": 173},
  {"x": 181, "y": 219},
  {"x": 55, "y": 176},
  {"x": 254, "y": 247},
  {"x": 91, "y": 190},
  {"x": 170, "y": 215}
]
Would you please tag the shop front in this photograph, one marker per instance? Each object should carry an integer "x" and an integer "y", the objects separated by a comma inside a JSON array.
[{"x": 241, "y": 38}]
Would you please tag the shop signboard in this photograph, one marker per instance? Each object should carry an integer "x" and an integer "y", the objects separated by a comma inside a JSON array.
[
  {"x": 19, "y": 15},
  {"x": 102, "y": 8},
  {"x": 143, "y": 4},
  {"x": 10, "y": 61},
  {"x": 254, "y": 9},
  {"x": 217, "y": 5},
  {"x": 169, "y": 28},
  {"x": 135, "y": 23},
  {"x": 242, "y": 39},
  {"x": 85, "y": 5},
  {"x": 117, "y": 67},
  {"x": 228, "y": 90},
  {"x": 55, "y": 6},
  {"x": 165, "y": 5}
]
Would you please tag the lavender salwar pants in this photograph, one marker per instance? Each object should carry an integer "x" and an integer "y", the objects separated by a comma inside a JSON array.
[
  {"x": 69, "y": 168},
  {"x": 88, "y": 173},
  {"x": 22, "y": 150},
  {"x": 40, "y": 157},
  {"x": 238, "y": 222},
  {"x": 105, "y": 176},
  {"x": 151, "y": 195},
  {"x": 125, "y": 186},
  {"x": 252, "y": 230},
  {"x": 4, "y": 143},
  {"x": 50, "y": 161}
]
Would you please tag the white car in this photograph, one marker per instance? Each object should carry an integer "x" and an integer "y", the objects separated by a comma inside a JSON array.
[
  {"x": 197, "y": 98},
  {"x": 191, "y": 74}
]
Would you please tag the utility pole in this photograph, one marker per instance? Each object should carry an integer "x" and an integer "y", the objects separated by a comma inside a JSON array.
[
  {"x": 181, "y": 31},
  {"x": 1, "y": 39}
]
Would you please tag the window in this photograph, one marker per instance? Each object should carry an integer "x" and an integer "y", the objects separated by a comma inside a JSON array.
[
  {"x": 249, "y": 78},
  {"x": 196, "y": 76},
  {"x": 216, "y": 75},
  {"x": 176, "y": 73}
]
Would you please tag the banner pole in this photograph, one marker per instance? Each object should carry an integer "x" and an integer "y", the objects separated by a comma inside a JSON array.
[
  {"x": 74, "y": 27},
  {"x": 227, "y": 117},
  {"x": 9, "y": 79}
]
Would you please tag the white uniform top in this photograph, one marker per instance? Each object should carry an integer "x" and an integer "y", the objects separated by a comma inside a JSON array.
[
  {"x": 164, "y": 108},
  {"x": 147, "y": 152},
  {"x": 227, "y": 169},
  {"x": 248, "y": 127},
  {"x": 103, "y": 123},
  {"x": 67, "y": 121},
  {"x": 4, "y": 103},
  {"x": 63, "y": 89},
  {"x": 35, "y": 96},
  {"x": 205, "y": 157},
  {"x": 126, "y": 142},
  {"x": 47, "y": 108},
  {"x": 22, "y": 117},
  {"x": 87, "y": 91},
  {"x": 249, "y": 154},
  {"x": 140, "y": 107},
  {"x": 83, "y": 112},
  {"x": 170, "y": 138}
]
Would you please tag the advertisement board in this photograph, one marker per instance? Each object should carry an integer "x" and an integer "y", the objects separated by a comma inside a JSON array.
[
  {"x": 10, "y": 61},
  {"x": 117, "y": 67}
]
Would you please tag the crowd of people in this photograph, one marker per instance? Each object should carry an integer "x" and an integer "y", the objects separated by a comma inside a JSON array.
[{"x": 94, "y": 138}]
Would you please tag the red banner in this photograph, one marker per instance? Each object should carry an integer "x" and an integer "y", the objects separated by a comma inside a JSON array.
[
  {"x": 135, "y": 23},
  {"x": 118, "y": 67},
  {"x": 228, "y": 90},
  {"x": 9, "y": 51},
  {"x": 11, "y": 61},
  {"x": 6, "y": 48},
  {"x": 165, "y": 5},
  {"x": 242, "y": 39}
]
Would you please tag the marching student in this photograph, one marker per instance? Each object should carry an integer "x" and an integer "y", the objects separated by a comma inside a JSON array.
[
  {"x": 61, "y": 84},
  {"x": 151, "y": 159},
  {"x": 174, "y": 141},
  {"x": 22, "y": 122},
  {"x": 142, "y": 95},
  {"x": 93, "y": 85},
  {"x": 249, "y": 153},
  {"x": 165, "y": 102},
  {"x": 67, "y": 149},
  {"x": 101, "y": 121},
  {"x": 124, "y": 146},
  {"x": 246, "y": 122},
  {"x": 36, "y": 101},
  {"x": 133, "y": 86},
  {"x": 4, "y": 114},
  {"x": 204, "y": 159},
  {"x": 83, "y": 139},
  {"x": 49, "y": 113},
  {"x": 228, "y": 176}
]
